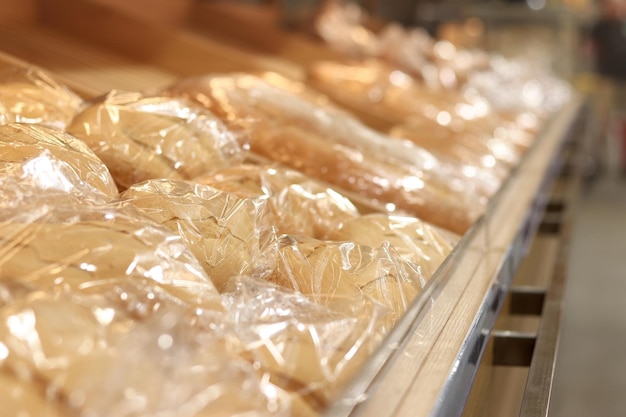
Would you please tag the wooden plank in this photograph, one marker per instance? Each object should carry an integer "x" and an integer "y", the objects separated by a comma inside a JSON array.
[
  {"x": 18, "y": 11},
  {"x": 81, "y": 66},
  {"x": 164, "y": 47},
  {"x": 257, "y": 28}
]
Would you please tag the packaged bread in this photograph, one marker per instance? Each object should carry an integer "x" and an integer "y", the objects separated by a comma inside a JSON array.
[
  {"x": 307, "y": 349},
  {"x": 228, "y": 234},
  {"x": 327, "y": 269},
  {"x": 23, "y": 396},
  {"x": 413, "y": 240},
  {"x": 301, "y": 204},
  {"x": 399, "y": 97},
  {"x": 331, "y": 146},
  {"x": 78, "y": 354},
  {"x": 143, "y": 137},
  {"x": 45, "y": 160},
  {"x": 29, "y": 95},
  {"x": 93, "y": 248}
]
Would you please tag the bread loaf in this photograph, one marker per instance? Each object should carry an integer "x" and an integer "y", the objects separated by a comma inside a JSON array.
[
  {"x": 301, "y": 205},
  {"x": 413, "y": 240},
  {"x": 325, "y": 270},
  {"x": 141, "y": 137},
  {"x": 308, "y": 350},
  {"x": 225, "y": 232},
  {"x": 93, "y": 250},
  {"x": 333, "y": 147},
  {"x": 28, "y": 95},
  {"x": 49, "y": 160}
]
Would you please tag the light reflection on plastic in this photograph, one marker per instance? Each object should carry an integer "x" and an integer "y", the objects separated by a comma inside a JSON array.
[
  {"x": 469, "y": 171},
  {"x": 4, "y": 352},
  {"x": 444, "y": 50},
  {"x": 489, "y": 161},
  {"x": 444, "y": 118},
  {"x": 412, "y": 183},
  {"x": 398, "y": 78},
  {"x": 536, "y": 4},
  {"x": 104, "y": 315},
  {"x": 45, "y": 174}
]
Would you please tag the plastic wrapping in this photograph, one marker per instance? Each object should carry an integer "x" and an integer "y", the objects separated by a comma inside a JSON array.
[
  {"x": 413, "y": 240},
  {"x": 28, "y": 95},
  {"x": 328, "y": 145},
  {"x": 143, "y": 137},
  {"x": 48, "y": 161},
  {"x": 227, "y": 234},
  {"x": 522, "y": 88},
  {"x": 304, "y": 348},
  {"x": 301, "y": 205},
  {"x": 461, "y": 127},
  {"x": 439, "y": 63},
  {"x": 75, "y": 354},
  {"x": 93, "y": 248},
  {"x": 327, "y": 269}
]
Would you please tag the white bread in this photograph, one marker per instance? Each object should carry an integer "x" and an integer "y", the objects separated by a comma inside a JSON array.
[
  {"x": 226, "y": 233},
  {"x": 141, "y": 137},
  {"x": 28, "y": 95},
  {"x": 414, "y": 240},
  {"x": 94, "y": 254},
  {"x": 301, "y": 204},
  {"x": 50, "y": 160},
  {"x": 325, "y": 270},
  {"x": 336, "y": 148}
]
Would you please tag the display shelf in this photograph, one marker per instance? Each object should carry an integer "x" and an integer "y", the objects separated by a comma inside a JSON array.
[
  {"x": 429, "y": 367},
  {"x": 429, "y": 362}
]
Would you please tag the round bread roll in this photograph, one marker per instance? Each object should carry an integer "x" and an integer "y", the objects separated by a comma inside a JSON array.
[
  {"x": 50, "y": 160},
  {"x": 325, "y": 269},
  {"x": 301, "y": 205},
  {"x": 141, "y": 137},
  {"x": 96, "y": 251},
  {"x": 227, "y": 234},
  {"x": 414, "y": 240},
  {"x": 28, "y": 95}
]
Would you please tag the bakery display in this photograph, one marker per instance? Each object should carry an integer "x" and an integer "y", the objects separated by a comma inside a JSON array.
[
  {"x": 227, "y": 234},
  {"x": 243, "y": 244},
  {"x": 331, "y": 146},
  {"x": 301, "y": 205},
  {"x": 142, "y": 137},
  {"x": 48, "y": 161},
  {"x": 29, "y": 95}
]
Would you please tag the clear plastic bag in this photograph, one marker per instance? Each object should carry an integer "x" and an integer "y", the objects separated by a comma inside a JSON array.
[
  {"x": 413, "y": 240},
  {"x": 307, "y": 349},
  {"x": 228, "y": 234},
  {"x": 29, "y": 95},
  {"x": 143, "y": 137},
  {"x": 329, "y": 145},
  {"x": 47, "y": 161},
  {"x": 301, "y": 204},
  {"x": 325, "y": 270},
  {"x": 72, "y": 353}
]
